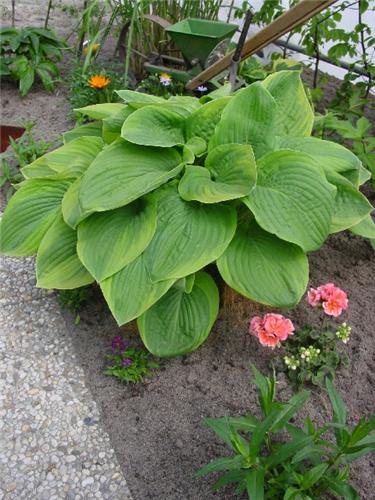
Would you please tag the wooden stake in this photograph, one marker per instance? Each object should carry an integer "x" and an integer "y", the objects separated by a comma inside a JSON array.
[{"x": 299, "y": 14}]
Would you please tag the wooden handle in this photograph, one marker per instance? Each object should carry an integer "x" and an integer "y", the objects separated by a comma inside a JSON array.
[{"x": 300, "y": 13}]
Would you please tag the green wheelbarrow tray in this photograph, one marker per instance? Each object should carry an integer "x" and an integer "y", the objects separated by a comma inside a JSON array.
[{"x": 197, "y": 38}]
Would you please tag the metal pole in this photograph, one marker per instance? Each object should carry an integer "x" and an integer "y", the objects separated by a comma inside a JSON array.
[
  {"x": 340, "y": 64},
  {"x": 237, "y": 53},
  {"x": 13, "y": 12},
  {"x": 47, "y": 15}
]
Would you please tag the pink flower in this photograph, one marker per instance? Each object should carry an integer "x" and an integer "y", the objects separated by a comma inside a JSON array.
[
  {"x": 271, "y": 329},
  {"x": 278, "y": 325},
  {"x": 336, "y": 303},
  {"x": 268, "y": 339},
  {"x": 256, "y": 325},
  {"x": 313, "y": 297},
  {"x": 332, "y": 298},
  {"x": 327, "y": 290}
]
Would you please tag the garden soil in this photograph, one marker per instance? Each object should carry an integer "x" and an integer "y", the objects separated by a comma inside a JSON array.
[{"x": 156, "y": 428}]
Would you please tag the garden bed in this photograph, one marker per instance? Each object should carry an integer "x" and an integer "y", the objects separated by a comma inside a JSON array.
[{"x": 156, "y": 428}]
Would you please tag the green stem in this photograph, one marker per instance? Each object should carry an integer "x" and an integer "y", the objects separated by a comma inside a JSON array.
[
  {"x": 129, "y": 46},
  {"x": 364, "y": 53}
]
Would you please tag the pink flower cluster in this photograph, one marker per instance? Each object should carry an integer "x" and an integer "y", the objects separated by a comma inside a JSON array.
[
  {"x": 333, "y": 299},
  {"x": 271, "y": 329}
]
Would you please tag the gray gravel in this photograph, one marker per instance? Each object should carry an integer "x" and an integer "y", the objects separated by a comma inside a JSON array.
[{"x": 52, "y": 445}]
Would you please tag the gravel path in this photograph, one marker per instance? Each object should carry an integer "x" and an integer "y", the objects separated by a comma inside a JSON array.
[{"x": 52, "y": 445}]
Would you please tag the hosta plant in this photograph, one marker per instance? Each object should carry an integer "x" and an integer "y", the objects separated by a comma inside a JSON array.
[
  {"x": 143, "y": 198},
  {"x": 277, "y": 460}
]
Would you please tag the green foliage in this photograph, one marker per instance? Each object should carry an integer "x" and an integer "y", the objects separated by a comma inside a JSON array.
[
  {"x": 152, "y": 85},
  {"x": 252, "y": 69},
  {"x": 312, "y": 355},
  {"x": 272, "y": 458},
  {"x": 129, "y": 364},
  {"x": 74, "y": 300},
  {"x": 21, "y": 152},
  {"x": 324, "y": 29},
  {"x": 80, "y": 92},
  {"x": 156, "y": 189},
  {"x": 27, "y": 53},
  {"x": 357, "y": 134}
]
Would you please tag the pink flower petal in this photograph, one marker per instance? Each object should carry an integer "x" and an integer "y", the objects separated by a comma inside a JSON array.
[{"x": 313, "y": 297}]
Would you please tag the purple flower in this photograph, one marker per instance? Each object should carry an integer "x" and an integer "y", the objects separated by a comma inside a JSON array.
[
  {"x": 202, "y": 88},
  {"x": 118, "y": 344},
  {"x": 126, "y": 362}
]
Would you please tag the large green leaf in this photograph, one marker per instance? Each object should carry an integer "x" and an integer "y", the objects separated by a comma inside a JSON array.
[
  {"x": 331, "y": 157},
  {"x": 292, "y": 198},
  {"x": 123, "y": 172},
  {"x": 179, "y": 108},
  {"x": 131, "y": 97},
  {"x": 112, "y": 125},
  {"x": 248, "y": 118},
  {"x": 130, "y": 292},
  {"x": 101, "y": 111},
  {"x": 255, "y": 484},
  {"x": 72, "y": 159},
  {"x": 190, "y": 103},
  {"x": 179, "y": 322},
  {"x": 364, "y": 175},
  {"x": 72, "y": 210},
  {"x": 294, "y": 114},
  {"x": 203, "y": 121},
  {"x": 229, "y": 173},
  {"x": 154, "y": 126},
  {"x": 264, "y": 268},
  {"x": 57, "y": 262},
  {"x": 88, "y": 129},
  {"x": 29, "y": 214},
  {"x": 365, "y": 228},
  {"x": 189, "y": 235},
  {"x": 40, "y": 170},
  {"x": 122, "y": 234},
  {"x": 351, "y": 206},
  {"x": 195, "y": 146}
]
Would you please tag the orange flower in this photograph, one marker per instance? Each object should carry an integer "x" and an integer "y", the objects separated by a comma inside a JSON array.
[{"x": 98, "y": 81}]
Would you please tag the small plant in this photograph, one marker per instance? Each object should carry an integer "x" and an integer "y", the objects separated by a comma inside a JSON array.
[
  {"x": 74, "y": 300},
  {"x": 21, "y": 152},
  {"x": 27, "y": 53},
  {"x": 309, "y": 355},
  {"x": 357, "y": 134},
  {"x": 26, "y": 149},
  {"x": 94, "y": 87},
  {"x": 129, "y": 364},
  {"x": 312, "y": 355},
  {"x": 306, "y": 465},
  {"x": 161, "y": 85}
]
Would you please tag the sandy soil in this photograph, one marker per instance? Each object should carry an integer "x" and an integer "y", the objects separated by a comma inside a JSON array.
[{"x": 156, "y": 428}]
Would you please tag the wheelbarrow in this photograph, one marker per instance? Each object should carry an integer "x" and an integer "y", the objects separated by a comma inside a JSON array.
[{"x": 197, "y": 39}]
